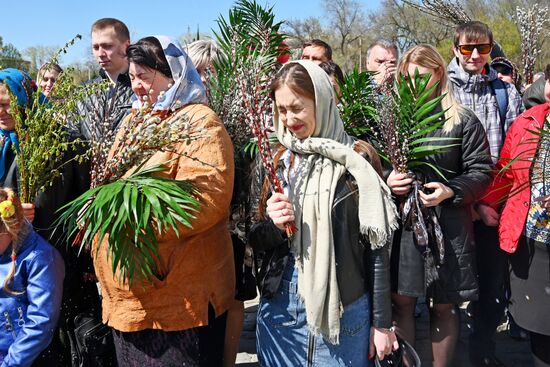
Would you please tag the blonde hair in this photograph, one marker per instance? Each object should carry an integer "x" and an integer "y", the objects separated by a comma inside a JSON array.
[
  {"x": 203, "y": 53},
  {"x": 428, "y": 57},
  {"x": 16, "y": 227}
]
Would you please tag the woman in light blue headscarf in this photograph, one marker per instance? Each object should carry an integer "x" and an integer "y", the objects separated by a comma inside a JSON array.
[{"x": 159, "y": 324}]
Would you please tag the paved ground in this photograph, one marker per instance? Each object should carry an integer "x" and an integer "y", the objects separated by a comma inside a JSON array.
[{"x": 513, "y": 353}]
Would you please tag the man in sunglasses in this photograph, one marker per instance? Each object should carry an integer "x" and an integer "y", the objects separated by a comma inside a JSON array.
[{"x": 496, "y": 104}]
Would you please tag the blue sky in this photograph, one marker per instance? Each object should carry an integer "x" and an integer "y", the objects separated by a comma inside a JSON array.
[{"x": 32, "y": 22}]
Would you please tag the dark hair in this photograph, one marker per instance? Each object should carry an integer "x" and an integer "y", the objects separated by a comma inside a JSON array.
[
  {"x": 148, "y": 52},
  {"x": 318, "y": 43},
  {"x": 332, "y": 69},
  {"x": 296, "y": 77},
  {"x": 547, "y": 72},
  {"x": 119, "y": 27},
  {"x": 472, "y": 31}
]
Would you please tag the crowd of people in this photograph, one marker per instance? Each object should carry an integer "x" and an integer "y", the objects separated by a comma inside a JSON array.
[{"x": 343, "y": 289}]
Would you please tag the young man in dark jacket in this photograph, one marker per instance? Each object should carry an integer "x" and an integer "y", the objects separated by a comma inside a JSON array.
[
  {"x": 476, "y": 87},
  {"x": 110, "y": 39}
]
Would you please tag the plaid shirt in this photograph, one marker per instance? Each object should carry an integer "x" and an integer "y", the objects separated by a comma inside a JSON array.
[{"x": 476, "y": 93}]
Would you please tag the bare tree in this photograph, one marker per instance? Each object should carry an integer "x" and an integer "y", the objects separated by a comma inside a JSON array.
[
  {"x": 305, "y": 29},
  {"x": 406, "y": 25},
  {"x": 347, "y": 19}
]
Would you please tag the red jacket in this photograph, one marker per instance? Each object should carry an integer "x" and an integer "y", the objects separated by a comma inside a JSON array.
[{"x": 513, "y": 173}]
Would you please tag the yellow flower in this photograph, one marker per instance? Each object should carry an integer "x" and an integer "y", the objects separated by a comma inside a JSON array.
[{"x": 7, "y": 209}]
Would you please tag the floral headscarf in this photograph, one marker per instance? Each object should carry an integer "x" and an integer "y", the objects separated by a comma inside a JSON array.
[
  {"x": 21, "y": 85},
  {"x": 187, "y": 87}
]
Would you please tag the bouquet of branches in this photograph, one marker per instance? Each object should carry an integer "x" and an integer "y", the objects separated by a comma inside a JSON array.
[
  {"x": 248, "y": 38},
  {"x": 401, "y": 133},
  {"x": 530, "y": 25},
  {"x": 42, "y": 127},
  {"x": 250, "y": 43},
  {"x": 133, "y": 210}
]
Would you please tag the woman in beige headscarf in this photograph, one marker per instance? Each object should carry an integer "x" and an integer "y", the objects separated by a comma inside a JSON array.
[{"x": 323, "y": 288}]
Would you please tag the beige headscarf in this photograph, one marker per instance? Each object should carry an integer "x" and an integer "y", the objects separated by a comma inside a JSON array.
[{"x": 326, "y": 156}]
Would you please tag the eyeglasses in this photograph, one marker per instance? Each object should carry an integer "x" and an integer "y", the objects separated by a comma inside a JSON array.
[{"x": 482, "y": 49}]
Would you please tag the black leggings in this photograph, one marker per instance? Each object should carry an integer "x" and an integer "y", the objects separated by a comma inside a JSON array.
[
  {"x": 212, "y": 339},
  {"x": 539, "y": 346}
]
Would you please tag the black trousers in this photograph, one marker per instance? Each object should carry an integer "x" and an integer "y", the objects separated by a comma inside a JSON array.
[
  {"x": 540, "y": 346},
  {"x": 492, "y": 267}
]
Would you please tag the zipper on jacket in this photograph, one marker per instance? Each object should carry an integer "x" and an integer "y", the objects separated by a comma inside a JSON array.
[
  {"x": 310, "y": 349},
  {"x": 9, "y": 325},
  {"x": 21, "y": 320}
]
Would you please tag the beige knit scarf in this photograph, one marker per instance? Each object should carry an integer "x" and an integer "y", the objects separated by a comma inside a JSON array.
[{"x": 326, "y": 156}]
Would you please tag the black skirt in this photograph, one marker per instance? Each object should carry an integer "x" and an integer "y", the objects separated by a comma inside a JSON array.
[
  {"x": 408, "y": 273},
  {"x": 407, "y": 266},
  {"x": 530, "y": 286},
  {"x": 157, "y": 348}
]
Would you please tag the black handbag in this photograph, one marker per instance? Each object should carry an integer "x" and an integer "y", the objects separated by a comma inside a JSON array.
[
  {"x": 94, "y": 342},
  {"x": 405, "y": 356}
]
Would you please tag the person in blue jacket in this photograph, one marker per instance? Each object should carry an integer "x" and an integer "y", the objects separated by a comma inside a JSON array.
[{"x": 32, "y": 273}]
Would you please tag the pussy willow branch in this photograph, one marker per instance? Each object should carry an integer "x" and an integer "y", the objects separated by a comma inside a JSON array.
[
  {"x": 450, "y": 12},
  {"x": 530, "y": 23},
  {"x": 257, "y": 111}
]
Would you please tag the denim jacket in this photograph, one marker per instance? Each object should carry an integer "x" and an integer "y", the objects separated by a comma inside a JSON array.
[{"x": 28, "y": 320}]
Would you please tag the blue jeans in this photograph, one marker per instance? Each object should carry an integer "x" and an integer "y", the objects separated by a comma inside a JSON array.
[{"x": 283, "y": 337}]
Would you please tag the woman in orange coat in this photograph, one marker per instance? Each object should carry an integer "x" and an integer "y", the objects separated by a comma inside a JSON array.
[{"x": 156, "y": 324}]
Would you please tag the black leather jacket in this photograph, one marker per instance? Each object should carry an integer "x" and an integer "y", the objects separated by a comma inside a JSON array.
[{"x": 358, "y": 268}]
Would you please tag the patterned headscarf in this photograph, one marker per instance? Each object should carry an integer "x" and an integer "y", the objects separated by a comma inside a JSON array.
[
  {"x": 187, "y": 87},
  {"x": 22, "y": 87},
  {"x": 19, "y": 83}
]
